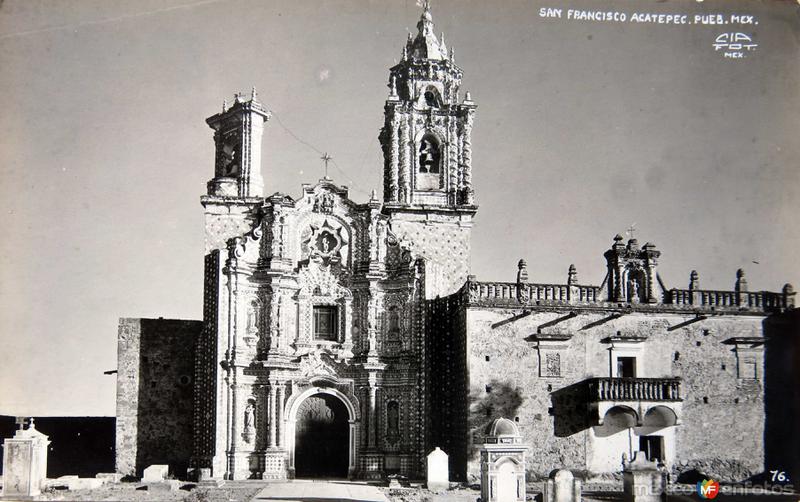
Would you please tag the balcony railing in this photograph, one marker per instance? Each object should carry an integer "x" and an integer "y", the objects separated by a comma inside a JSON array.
[
  {"x": 514, "y": 294},
  {"x": 634, "y": 389}
]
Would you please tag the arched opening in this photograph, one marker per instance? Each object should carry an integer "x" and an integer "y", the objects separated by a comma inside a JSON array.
[
  {"x": 429, "y": 155},
  {"x": 617, "y": 419},
  {"x": 659, "y": 417},
  {"x": 322, "y": 435},
  {"x": 507, "y": 481}
]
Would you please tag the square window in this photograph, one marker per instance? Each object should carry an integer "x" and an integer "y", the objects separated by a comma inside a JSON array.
[
  {"x": 653, "y": 447},
  {"x": 626, "y": 367},
  {"x": 324, "y": 322}
]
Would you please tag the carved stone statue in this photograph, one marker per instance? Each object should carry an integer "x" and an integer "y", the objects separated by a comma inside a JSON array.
[
  {"x": 249, "y": 416},
  {"x": 633, "y": 289}
]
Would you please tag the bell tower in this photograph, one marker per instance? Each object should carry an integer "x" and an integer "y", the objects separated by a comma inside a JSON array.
[
  {"x": 427, "y": 149},
  {"x": 426, "y": 136},
  {"x": 237, "y": 188},
  {"x": 237, "y": 135}
]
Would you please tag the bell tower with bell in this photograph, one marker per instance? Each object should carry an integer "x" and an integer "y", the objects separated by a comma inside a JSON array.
[{"x": 427, "y": 149}]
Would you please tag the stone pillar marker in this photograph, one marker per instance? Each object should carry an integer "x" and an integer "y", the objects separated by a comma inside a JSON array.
[
  {"x": 438, "y": 470},
  {"x": 642, "y": 481},
  {"x": 562, "y": 487},
  {"x": 155, "y": 473},
  {"x": 24, "y": 463}
]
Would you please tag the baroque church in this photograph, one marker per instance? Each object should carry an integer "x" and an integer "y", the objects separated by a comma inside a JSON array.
[{"x": 348, "y": 339}]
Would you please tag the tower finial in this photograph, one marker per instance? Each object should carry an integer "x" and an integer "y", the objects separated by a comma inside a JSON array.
[{"x": 254, "y": 94}]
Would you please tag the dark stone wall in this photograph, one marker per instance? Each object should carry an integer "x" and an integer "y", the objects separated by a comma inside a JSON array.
[
  {"x": 155, "y": 394},
  {"x": 82, "y": 446},
  {"x": 782, "y": 394},
  {"x": 447, "y": 388},
  {"x": 205, "y": 369}
]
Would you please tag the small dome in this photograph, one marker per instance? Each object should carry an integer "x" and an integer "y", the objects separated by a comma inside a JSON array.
[{"x": 502, "y": 427}]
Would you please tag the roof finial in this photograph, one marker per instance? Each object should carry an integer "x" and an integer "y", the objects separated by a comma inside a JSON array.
[
  {"x": 224, "y": 105},
  {"x": 254, "y": 94},
  {"x": 392, "y": 87},
  {"x": 452, "y": 55}
]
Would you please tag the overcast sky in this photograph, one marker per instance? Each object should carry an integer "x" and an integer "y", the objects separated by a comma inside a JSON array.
[{"x": 583, "y": 128}]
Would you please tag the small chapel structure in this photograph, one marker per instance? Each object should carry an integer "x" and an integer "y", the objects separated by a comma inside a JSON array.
[{"x": 346, "y": 338}]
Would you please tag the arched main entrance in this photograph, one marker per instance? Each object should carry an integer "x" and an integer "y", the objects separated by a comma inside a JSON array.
[{"x": 322, "y": 435}]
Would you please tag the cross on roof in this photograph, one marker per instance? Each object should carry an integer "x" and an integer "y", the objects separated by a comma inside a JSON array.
[
  {"x": 631, "y": 229},
  {"x": 21, "y": 422},
  {"x": 326, "y": 158}
]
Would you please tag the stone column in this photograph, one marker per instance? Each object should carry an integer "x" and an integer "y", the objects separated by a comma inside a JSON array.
[
  {"x": 405, "y": 165},
  {"x": 281, "y": 391},
  {"x": 373, "y": 391},
  {"x": 272, "y": 419},
  {"x": 394, "y": 159},
  {"x": 263, "y": 414},
  {"x": 452, "y": 162},
  {"x": 468, "y": 195}
]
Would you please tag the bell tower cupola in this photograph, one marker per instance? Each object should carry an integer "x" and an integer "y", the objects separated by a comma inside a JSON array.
[{"x": 426, "y": 136}]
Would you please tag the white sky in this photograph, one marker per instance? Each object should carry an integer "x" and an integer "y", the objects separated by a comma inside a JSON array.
[{"x": 582, "y": 129}]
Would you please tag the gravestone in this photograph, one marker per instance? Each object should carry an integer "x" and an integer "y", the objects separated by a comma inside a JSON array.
[
  {"x": 642, "y": 480},
  {"x": 502, "y": 463},
  {"x": 438, "y": 470},
  {"x": 562, "y": 486},
  {"x": 24, "y": 463},
  {"x": 155, "y": 473}
]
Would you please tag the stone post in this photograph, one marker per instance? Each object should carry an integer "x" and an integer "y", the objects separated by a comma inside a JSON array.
[
  {"x": 694, "y": 286},
  {"x": 642, "y": 481},
  {"x": 741, "y": 289},
  {"x": 438, "y": 470}
]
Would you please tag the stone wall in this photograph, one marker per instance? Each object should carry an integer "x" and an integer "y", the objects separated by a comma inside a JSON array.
[
  {"x": 722, "y": 433},
  {"x": 444, "y": 241},
  {"x": 155, "y": 370}
]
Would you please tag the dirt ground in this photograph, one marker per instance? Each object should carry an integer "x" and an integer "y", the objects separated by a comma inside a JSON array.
[
  {"x": 245, "y": 491},
  {"x": 133, "y": 492}
]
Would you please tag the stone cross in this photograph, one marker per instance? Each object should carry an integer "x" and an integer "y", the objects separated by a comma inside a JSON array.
[
  {"x": 631, "y": 229},
  {"x": 21, "y": 422},
  {"x": 326, "y": 158}
]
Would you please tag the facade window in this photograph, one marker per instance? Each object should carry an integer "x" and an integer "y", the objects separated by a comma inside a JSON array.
[
  {"x": 653, "y": 446},
  {"x": 324, "y": 322},
  {"x": 749, "y": 370},
  {"x": 394, "y": 323},
  {"x": 626, "y": 367}
]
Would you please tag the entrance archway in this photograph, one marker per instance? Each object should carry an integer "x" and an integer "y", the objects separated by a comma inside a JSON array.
[{"x": 322, "y": 436}]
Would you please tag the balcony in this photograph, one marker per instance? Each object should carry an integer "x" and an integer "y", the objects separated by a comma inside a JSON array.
[
  {"x": 642, "y": 399},
  {"x": 634, "y": 389}
]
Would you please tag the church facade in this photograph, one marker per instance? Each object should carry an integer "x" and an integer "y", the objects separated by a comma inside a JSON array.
[{"x": 347, "y": 339}]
